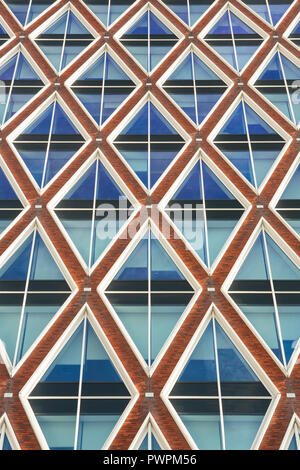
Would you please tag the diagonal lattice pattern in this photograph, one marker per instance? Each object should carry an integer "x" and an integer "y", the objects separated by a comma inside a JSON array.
[{"x": 259, "y": 204}]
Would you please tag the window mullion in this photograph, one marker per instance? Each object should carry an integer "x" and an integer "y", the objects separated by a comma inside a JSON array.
[
  {"x": 149, "y": 298},
  {"x": 149, "y": 437},
  {"x": 249, "y": 145},
  {"x": 149, "y": 146},
  {"x": 204, "y": 213},
  {"x": 24, "y": 299},
  {"x": 195, "y": 90},
  {"x": 48, "y": 144},
  {"x": 108, "y": 14},
  {"x": 269, "y": 13},
  {"x": 94, "y": 214},
  {"x": 103, "y": 89},
  {"x": 11, "y": 88},
  {"x": 274, "y": 298},
  {"x": 83, "y": 354},
  {"x": 149, "y": 44},
  {"x": 189, "y": 13},
  {"x": 2, "y": 434},
  {"x": 219, "y": 385},
  {"x": 27, "y": 14},
  {"x": 233, "y": 42},
  {"x": 64, "y": 42},
  {"x": 287, "y": 89}
]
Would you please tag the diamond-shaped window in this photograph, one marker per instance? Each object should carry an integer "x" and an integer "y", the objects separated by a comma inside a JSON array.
[
  {"x": 48, "y": 143},
  {"x": 270, "y": 10},
  {"x": 108, "y": 10},
  {"x": 149, "y": 143},
  {"x": 205, "y": 211},
  {"x": 19, "y": 82},
  {"x": 195, "y": 87},
  {"x": 276, "y": 83},
  {"x": 10, "y": 204},
  {"x": 32, "y": 290},
  {"x": 93, "y": 212},
  {"x": 250, "y": 143},
  {"x": 81, "y": 397},
  {"x": 266, "y": 289},
  {"x": 289, "y": 204},
  {"x": 149, "y": 295},
  {"x": 149, "y": 40},
  {"x": 233, "y": 40},
  {"x": 64, "y": 40},
  {"x": 218, "y": 397},
  {"x": 103, "y": 88},
  {"x": 189, "y": 11},
  {"x": 295, "y": 35}
]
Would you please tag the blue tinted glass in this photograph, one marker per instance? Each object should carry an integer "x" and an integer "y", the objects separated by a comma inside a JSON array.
[
  {"x": 135, "y": 320},
  {"x": 16, "y": 267},
  {"x": 66, "y": 366},
  {"x": 293, "y": 444},
  {"x": 97, "y": 366},
  {"x": 201, "y": 366},
  {"x": 289, "y": 325},
  {"x": 292, "y": 189},
  {"x": 162, "y": 266},
  {"x": 232, "y": 366},
  {"x": 255, "y": 264},
  {"x": 94, "y": 430},
  {"x": 59, "y": 430},
  {"x": 240, "y": 430},
  {"x": 281, "y": 266},
  {"x": 80, "y": 233},
  {"x": 6, "y": 443},
  {"x": 35, "y": 320},
  {"x": 263, "y": 319},
  {"x": 9, "y": 321},
  {"x": 205, "y": 429},
  {"x": 6, "y": 190},
  {"x": 136, "y": 266},
  {"x": 43, "y": 266}
]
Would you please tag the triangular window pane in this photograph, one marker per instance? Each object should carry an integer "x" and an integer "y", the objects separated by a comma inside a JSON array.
[{"x": 271, "y": 11}]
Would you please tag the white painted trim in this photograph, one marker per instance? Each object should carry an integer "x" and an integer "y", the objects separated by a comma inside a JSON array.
[
  {"x": 4, "y": 420},
  {"x": 143, "y": 431}
]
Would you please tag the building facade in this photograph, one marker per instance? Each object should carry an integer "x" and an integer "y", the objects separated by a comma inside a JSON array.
[{"x": 150, "y": 224}]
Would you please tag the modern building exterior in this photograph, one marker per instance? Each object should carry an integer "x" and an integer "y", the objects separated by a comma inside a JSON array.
[{"x": 149, "y": 224}]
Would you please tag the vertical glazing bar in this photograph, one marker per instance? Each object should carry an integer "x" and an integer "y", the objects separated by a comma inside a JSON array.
[
  {"x": 83, "y": 354},
  {"x": 219, "y": 386}
]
